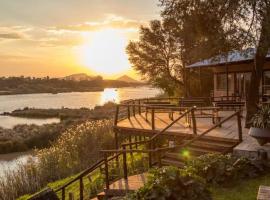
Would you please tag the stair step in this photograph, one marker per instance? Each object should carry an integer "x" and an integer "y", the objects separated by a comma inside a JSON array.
[
  {"x": 176, "y": 156},
  {"x": 210, "y": 146},
  {"x": 175, "y": 163},
  {"x": 196, "y": 151},
  {"x": 218, "y": 140}
]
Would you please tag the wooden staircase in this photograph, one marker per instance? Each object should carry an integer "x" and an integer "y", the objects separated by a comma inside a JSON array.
[{"x": 205, "y": 145}]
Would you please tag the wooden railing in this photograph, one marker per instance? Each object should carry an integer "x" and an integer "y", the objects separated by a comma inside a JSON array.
[
  {"x": 154, "y": 152},
  {"x": 158, "y": 151}
]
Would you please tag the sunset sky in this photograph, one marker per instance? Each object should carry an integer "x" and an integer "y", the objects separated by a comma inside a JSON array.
[{"x": 63, "y": 37}]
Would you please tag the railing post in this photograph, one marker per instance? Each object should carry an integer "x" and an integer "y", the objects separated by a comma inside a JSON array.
[
  {"x": 71, "y": 196},
  {"x": 240, "y": 133},
  {"x": 133, "y": 108},
  {"x": 125, "y": 163},
  {"x": 128, "y": 110},
  {"x": 106, "y": 172},
  {"x": 150, "y": 154},
  {"x": 63, "y": 193},
  {"x": 130, "y": 145},
  {"x": 81, "y": 188},
  {"x": 153, "y": 118},
  {"x": 194, "y": 125},
  {"x": 159, "y": 158},
  {"x": 139, "y": 109},
  {"x": 116, "y": 115}
]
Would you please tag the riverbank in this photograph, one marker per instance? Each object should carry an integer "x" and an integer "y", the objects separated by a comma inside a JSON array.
[
  {"x": 26, "y": 137},
  {"x": 27, "y": 85}
]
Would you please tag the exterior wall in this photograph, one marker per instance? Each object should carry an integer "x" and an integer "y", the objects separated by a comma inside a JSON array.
[{"x": 233, "y": 70}]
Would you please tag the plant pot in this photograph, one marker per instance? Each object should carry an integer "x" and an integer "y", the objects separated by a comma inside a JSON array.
[{"x": 262, "y": 135}]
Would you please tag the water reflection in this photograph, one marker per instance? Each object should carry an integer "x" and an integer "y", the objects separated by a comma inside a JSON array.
[{"x": 110, "y": 95}]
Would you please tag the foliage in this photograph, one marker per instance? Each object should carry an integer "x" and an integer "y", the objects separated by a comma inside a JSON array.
[
  {"x": 28, "y": 85},
  {"x": 228, "y": 25},
  {"x": 156, "y": 55},
  {"x": 76, "y": 149},
  {"x": 24, "y": 137},
  {"x": 170, "y": 183},
  {"x": 262, "y": 118},
  {"x": 224, "y": 169}
]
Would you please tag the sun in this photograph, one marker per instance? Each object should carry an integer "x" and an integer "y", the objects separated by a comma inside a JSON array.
[{"x": 104, "y": 52}]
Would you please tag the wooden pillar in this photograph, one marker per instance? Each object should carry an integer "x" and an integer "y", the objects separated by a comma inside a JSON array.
[
  {"x": 194, "y": 125},
  {"x": 63, "y": 193},
  {"x": 128, "y": 110},
  {"x": 81, "y": 188},
  {"x": 153, "y": 118},
  {"x": 116, "y": 115},
  {"x": 227, "y": 81},
  {"x": 200, "y": 77},
  {"x": 106, "y": 172},
  {"x": 125, "y": 163},
  {"x": 240, "y": 133},
  {"x": 262, "y": 78}
]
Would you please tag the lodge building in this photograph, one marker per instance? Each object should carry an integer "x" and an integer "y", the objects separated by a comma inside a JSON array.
[{"x": 232, "y": 73}]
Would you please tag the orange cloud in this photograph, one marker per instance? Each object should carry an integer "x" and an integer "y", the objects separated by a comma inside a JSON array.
[
  {"x": 112, "y": 22},
  {"x": 10, "y": 36}
]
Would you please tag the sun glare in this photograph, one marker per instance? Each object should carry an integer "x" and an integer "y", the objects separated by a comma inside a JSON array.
[
  {"x": 104, "y": 52},
  {"x": 109, "y": 95}
]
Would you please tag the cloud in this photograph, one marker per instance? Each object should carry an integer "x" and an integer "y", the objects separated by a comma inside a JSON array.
[
  {"x": 10, "y": 36},
  {"x": 111, "y": 22},
  {"x": 9, "y": 57}
]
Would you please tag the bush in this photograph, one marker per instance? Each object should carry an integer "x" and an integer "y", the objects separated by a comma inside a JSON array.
[
  {"x": 262, "y": 118},
  {"x": 170, "y": 183},
  {"x": 223, "y": 169}
]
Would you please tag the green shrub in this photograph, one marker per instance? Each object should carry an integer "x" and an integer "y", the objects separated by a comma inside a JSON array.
[
  {"x": 262, "y": 118},
  {"x": 222, "y": 169},
  {"x": 170, "y": 183}
]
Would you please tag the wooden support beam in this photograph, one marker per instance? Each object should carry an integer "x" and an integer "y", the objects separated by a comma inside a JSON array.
[
  {"x": 116, "y": 115},
  {"x": 63, "y": 193},
  {"x": 106, "y": 172},
  {"x": 194, "y": 125},
  {"x": 81, "y": 188},
  {"x": 153, "y": 118},
  {"x": 240, "y": 133},
  {"x": 125, "y": 163}
]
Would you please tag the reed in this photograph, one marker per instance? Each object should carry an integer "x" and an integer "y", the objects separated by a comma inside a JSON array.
[{"x": 76, "y": 149}]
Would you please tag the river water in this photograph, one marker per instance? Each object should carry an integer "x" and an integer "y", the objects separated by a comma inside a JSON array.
[{"x": 8, "y": 103}]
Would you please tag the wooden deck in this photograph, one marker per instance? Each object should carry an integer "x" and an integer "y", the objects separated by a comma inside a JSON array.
[
  {"x": 249, "y": 147},
  {"x": 139, "y": 123}
]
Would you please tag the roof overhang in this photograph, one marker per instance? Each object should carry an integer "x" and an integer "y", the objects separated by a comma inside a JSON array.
[{"x": 233, "y": 58}]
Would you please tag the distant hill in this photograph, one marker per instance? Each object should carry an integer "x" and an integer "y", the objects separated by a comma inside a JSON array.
[
  {"x": 127, "y": 79},
  {"x": 80, "y": 77}
]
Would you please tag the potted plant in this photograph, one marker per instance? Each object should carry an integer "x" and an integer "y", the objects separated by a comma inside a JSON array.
[{"x": 261, "y": 125}]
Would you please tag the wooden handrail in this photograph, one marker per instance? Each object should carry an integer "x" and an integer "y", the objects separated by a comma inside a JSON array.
[{"x": 80, "y": 177}]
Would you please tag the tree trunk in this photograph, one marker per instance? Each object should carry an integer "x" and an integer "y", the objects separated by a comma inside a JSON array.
[{"x": 257, "y": 71}]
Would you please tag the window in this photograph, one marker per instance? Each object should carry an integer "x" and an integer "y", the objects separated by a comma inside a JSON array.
[
  {"x": 221, "y": 81},
  {"x": 266, "y": 82}
]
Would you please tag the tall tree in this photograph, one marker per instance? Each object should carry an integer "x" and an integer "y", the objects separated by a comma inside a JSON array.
[
  {"x": 157, "y": 55},
  {"x": 167, "y": 46},
  {"x": 243, "y": 22}
]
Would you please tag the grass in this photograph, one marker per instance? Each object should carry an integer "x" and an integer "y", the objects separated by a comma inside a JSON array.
[
  {"x": 73, "y": 188},
  {"x": 244, "y": 190}
]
